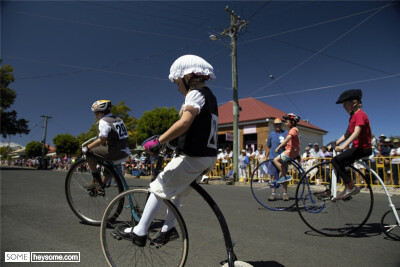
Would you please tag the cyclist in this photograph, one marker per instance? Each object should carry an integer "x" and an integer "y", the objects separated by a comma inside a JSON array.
[
  {"x": 358, "y": 133},
  {"x": 196, "y": 150},
  {"x": 112, "y": 143},
  {"x": 292, "y": 149}
]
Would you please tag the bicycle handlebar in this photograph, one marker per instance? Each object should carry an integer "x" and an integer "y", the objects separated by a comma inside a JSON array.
[{"x": 89, "y": 141}]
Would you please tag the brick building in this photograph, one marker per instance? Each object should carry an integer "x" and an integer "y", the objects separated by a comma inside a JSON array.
[{"x": 256, "y": 121}]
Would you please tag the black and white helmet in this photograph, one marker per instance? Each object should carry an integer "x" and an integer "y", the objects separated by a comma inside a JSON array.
[{"x": 102, "y": 106}]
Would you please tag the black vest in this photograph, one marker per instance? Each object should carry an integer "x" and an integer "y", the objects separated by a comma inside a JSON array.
[
  {"x": 200, "y": 140},
  {"x": 118, "y": 136}
]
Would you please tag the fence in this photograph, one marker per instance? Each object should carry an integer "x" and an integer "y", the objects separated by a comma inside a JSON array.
[{"x": 388, "y": 168}]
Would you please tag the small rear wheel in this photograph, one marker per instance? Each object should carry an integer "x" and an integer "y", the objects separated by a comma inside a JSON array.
[
  {"x": 390, "y": 226},
  {"x": 89, "y": 205},
  {"x": 121, "y": 252}
]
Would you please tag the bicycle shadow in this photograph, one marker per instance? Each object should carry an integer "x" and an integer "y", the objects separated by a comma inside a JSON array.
[
  {"x": 368, "y": 230},
  {"x": 259, "y": 263},
  {"x": 265, "y": 264}
]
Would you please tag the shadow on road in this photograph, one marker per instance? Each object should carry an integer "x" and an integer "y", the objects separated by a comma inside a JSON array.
[
  {"x": 368, "y": 230},
  {"x": 265, "y": 264}
]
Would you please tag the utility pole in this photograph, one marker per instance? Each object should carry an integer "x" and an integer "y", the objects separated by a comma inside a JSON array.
[
  {"x": 44, "y": 165},
  {"x": 236, "y": 25}
]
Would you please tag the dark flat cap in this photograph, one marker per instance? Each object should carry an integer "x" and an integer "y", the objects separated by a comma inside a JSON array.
[{"x": 350, "y": 95}]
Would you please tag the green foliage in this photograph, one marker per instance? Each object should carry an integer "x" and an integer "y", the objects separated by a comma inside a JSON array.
[
  {"x": 10, "y": 125},
  {"x": 4, "y": 151},
  {"x": 66, "y": 144},
  {"x": 83, "y": 137},
  {"x": 155, "y": 122},
  {"x": 34, "y": 149}
]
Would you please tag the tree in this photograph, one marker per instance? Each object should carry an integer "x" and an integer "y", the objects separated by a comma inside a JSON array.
[
  {"x": 10, "y": 125},
  {"x": 155, "y": 122},
  {"x": 34, "y": 149},
  {"x": 66, "y": 144},
  {"x": 4, "y": 151}
]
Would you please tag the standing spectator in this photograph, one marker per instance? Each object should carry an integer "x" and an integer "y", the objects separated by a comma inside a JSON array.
[
  {"x": 381, "y": 141},
  {"x": 221, "y": 158},
  {"x": 395, "y": 154},
  {"x": 374, "y": 141},
  {"x": 317, "y": 153},
  {"x": 252, "y": 158},
  {"x": 310, "y": 145},
  {"x": 275, "y": 139},
  {"x": 243, "y": 165},
  {"x": 326, "y": 152},
  {"x": 260, "y": 157},
  {"x": 227, "y": 161},
  {"x": 385, "y": 154}
]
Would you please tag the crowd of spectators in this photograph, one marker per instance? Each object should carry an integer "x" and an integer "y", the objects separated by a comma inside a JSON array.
[{"x": 385, "y": 160}]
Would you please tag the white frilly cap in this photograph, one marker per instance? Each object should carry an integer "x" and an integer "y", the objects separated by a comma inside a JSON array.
[{"x": 191, "y": 64}]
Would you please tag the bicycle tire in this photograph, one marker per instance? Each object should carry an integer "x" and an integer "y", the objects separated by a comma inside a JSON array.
[
  {"x": 263, "y": 186},
  {"x": 121, "y": 252},
  {"x": 389, "y": 225},
  {"x": 89, "y": 205},
  {"x": 327, "y": 216}
]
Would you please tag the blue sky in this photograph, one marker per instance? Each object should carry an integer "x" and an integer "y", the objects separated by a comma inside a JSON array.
[{"x": 67, "y": 54}]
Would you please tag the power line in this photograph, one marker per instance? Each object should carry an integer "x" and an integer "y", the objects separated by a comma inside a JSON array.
[
  {"x": 330, "y": 56},
  {"x": 312, "y": 25},
  {"x": 84, "y": 69},
  {"x": 259, "y": 10},
  {"x": 87, "y": 68},
  {"x": 318, "y": 52},
  {"x": 181, "y": 23},
  {"x": 330, "y": 86},
  {"x": 101, "y": 26}
]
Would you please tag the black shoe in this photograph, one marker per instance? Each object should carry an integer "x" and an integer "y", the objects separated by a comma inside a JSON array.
[
  {"x": 165, "y": 237},
  {"x": 137, "y": 240}
]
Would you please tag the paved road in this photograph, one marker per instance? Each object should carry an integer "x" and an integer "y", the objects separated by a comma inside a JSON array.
[{"x": 35, "y": 217}]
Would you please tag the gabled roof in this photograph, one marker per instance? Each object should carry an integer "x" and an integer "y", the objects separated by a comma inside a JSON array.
[{"x": 253, "y": 110}]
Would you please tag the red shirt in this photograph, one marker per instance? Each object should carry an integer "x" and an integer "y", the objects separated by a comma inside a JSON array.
[{"x": 364, "y": 139}]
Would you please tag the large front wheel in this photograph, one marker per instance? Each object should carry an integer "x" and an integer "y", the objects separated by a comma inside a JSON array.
[
  {"x": 322, "y": 213},
  {"x": 89, "y": 205},
  {"x": 120, "y": 251}
]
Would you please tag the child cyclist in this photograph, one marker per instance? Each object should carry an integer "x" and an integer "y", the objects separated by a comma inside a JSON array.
[
  {"x": 359, "y": 133},
  {"x": 197, "y": 148},
  {"x": 292, "y": 149},
  {"x": 112, "y": 143}
]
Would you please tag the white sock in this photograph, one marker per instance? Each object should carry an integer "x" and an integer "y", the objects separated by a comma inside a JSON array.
[
  {"x": 169, "y": 222},
  {"x": 150, "y": 210}
]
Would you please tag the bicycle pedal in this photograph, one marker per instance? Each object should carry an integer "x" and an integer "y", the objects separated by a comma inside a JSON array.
[{"x": 116, "y": 236}]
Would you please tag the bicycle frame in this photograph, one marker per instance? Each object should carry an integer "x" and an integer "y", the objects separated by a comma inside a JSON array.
[
  {"x": 391, "y": 205},
  {"x": 221, "y": 219}
]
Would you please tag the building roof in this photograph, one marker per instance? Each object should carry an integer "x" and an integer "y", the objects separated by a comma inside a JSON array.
[{"x": 254, "y": 110}]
